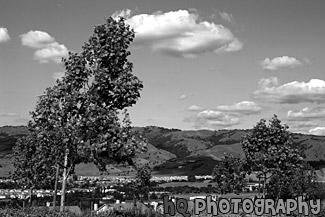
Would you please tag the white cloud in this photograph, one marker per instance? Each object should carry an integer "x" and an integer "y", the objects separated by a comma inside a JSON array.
[
  {"x": 10, "y": 114},
  {"x": 227, "y": 17},
  {"x": 319, "y": 131},
  {"x": 306, "y": 114},
  {"x": 291, "y": 93},
  {"x": 233, "y": 46},
  {"x": 182, "y": 97},
  {"x": 211, "y": 119},
  {"x": 303, "y": 125},
  {"x": 123, "y": 13},
  {"x": 36, "y": 39},
  {"x": 283, "y": 62},
  {"x": 180, "y": 33},
  {"x": 4, "y": 35},
  {"x": 241, "y": 108},
  {"x": 47, "y": 48},
  {"x": 195, "y": 108},
  {"x": 58, "y": 75},
  {"x": 52, "y": 52}
]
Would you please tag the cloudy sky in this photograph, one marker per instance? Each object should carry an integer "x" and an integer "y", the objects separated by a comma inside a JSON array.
[{"x": 205, "y": 64}]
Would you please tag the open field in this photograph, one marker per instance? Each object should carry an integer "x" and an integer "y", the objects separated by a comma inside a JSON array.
[{"x": 190, "y": 184}]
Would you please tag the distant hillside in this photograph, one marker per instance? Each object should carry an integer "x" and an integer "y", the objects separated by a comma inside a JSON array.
[
  {"x": 9, "y": 136},
  {"x": 173, "y": 151},
  {"x": 14, "y": 130},
  {"x": 215, "y": 143}
]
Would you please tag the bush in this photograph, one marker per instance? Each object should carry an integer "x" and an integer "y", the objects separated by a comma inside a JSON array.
[
  {"x": 44, "y": 212},
  {"x": 33, "y": 212}
]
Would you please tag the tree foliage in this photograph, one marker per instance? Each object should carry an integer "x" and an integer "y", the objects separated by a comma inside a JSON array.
[
  {"x": 33, "y": 159},
  {"x": 294, "y": 183},
  {"x": 83, "y": 108},
  {"x": 141, "y": 184},
  {"x": 229, "y": 175},
  {"x": 270, "y": 152},
  {"x": 83, "y": 117}
]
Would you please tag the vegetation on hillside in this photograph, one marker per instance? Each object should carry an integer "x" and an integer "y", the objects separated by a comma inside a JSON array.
[{"x": 160, "y": 158}]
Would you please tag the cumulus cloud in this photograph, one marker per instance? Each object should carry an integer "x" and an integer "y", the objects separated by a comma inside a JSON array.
[
  {"x": 195, "y": 108},
  {"x": 294, "y": 92},
  {"x": 52, "y": 52},
  {"x": 302, "y": 125},
  {"x": 182, "y": 97},
  {"x": 319, "y": 131},
  {"x": 4, "y": 35},
  {"x": 47, "y": 49},
  {"x": 211, "y": 119},
  {"x": 227, "y": 17},
  {"x": 58, "y": 75},
  {"x": 180, "y": 33},
  {"x": 36, "y": 39},
  {"x": 306, "y": 114},
  {"x": 241, "y": 108},
  {"x": 277, "y": 63}
]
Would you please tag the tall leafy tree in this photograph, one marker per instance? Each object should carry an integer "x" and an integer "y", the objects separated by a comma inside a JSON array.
[
  {"x": 87, "y": 108},
  {"x": 229, "y": 175},
  {"x": 270, "y": 151}
]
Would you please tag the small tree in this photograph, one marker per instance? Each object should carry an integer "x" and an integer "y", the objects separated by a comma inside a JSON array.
[
  {"x": 293, "y": 183},
  {"x": 141, "y": 183},
  {"x": 270, "y": 152},
  {"x": 191, "y": 178},
  {"x": 34, "y": 159},
  {"x": 229, "y": 175}
]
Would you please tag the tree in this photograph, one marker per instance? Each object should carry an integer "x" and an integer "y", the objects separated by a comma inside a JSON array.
[
  {"x": 33, "y": 160},
  {"x": 270, "y": 152},
  {"x": 141, "y": 183},
  {"x": 296, "y": 182},
  {"x": 229, "y": 175},
  {"x": 191, "y": 178},
  {"x": 84, "y": 109}
]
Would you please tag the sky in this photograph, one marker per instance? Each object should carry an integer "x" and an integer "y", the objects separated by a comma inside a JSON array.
[{"x": 205, "y": 64}]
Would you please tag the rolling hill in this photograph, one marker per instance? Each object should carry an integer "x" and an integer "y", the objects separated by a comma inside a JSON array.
[{"x": 173, "y": 151}]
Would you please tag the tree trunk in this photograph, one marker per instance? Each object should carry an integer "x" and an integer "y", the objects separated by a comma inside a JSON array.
[
  {"x": 264, "y": 186},
  {"x": 30, "y": 196},
  {"x": 64, "y": 180},
  {"x": 134, "y": 203},
  {"x": 56, "y": 186},
  {"x": 259, "y": 186}
]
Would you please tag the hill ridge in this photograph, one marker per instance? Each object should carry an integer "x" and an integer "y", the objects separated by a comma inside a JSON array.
[{"x": 178, "y": 151}]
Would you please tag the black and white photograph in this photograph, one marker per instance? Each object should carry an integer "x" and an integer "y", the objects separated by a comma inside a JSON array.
[{"x": 160, "y": 108}]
